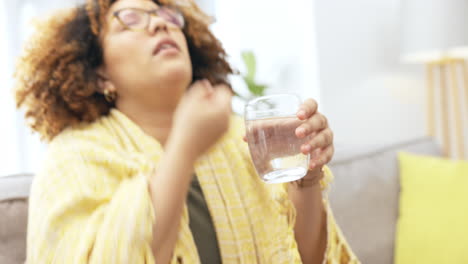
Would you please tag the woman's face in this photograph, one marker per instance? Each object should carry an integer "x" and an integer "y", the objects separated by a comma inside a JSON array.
[{"x": 148, "y": 66}]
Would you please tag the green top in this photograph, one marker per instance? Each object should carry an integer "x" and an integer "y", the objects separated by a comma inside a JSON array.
[{"x": 201, "y": 225}]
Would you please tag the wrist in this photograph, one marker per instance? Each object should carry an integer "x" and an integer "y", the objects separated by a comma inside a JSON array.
[
  {"x": 315, "y": 173},
  {"x": 180, "y": 147},
  {"x": 312, "y": 178}
]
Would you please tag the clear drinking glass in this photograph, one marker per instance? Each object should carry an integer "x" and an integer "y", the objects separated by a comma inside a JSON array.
[{"x": 271, "y": 122}]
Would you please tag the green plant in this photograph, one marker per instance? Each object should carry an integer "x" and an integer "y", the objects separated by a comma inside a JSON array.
[{"x": 254, "y": 88}]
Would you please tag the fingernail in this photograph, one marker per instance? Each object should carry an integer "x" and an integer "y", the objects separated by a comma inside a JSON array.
[
  {"x": 301, "y": 131},
  {"x": 301, "y": 113},
  {"x": 307, "y": 148}
]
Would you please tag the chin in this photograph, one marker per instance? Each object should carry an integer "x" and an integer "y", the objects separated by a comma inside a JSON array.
[{"x": 175, "y": 73}]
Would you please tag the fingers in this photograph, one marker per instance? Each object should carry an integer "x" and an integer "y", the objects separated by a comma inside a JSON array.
[
  {"x": 223, "y": 88},
  {"x": 201, "y": 88},
  {"x": 322, "y": 157},
  {"x": 316, "y": 123},
  {"x": 218, "y": 93},
  {"x": 307, "y": 109},
  {"x": 208, "y": 87},
  {"x": 319, "y": 141},
  {"x": 222, "y": 95}
]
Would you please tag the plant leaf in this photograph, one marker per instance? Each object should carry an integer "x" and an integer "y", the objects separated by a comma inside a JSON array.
[
  {"x": 254, "y": 88},
  {"x": 261, "y": 89},
  {"x": 250, "y": 63}
]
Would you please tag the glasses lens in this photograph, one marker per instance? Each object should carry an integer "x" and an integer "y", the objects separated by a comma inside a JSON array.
[
  {"x": 172, "y": 16},
  {"x": 133, "y": 18}
]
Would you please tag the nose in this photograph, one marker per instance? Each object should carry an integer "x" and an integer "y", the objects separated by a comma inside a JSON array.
[{"x": 156, "y": 24}]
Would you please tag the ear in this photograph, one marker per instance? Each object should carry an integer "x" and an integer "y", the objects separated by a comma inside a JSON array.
[{"x": 104, "y": 83}]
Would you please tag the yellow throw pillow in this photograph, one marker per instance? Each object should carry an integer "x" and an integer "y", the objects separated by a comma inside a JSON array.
[{"x": 433, "y": 222}]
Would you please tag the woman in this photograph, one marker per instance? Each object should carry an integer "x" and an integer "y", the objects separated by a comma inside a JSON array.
[{"x": 134, "y": 99}]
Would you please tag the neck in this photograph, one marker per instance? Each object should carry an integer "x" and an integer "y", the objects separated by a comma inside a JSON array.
[{"x": 156, "y": 122}]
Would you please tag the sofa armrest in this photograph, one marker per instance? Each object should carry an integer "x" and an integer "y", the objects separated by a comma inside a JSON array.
[{"x": 14, "y": 192}]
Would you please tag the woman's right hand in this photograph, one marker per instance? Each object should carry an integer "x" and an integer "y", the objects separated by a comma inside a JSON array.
[{"x": 202, "y": 117}]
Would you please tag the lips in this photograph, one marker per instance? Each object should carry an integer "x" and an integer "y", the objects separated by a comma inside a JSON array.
[{"x": 165, "y": 44}]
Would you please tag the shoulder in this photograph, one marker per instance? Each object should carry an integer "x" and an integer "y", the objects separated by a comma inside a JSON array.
[
  {"x": 89, "y": 158},
  {"x": 83, "y": 152},
  {"x": 83, "y": 137}
]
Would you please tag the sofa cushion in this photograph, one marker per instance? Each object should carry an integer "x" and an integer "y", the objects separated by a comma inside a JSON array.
[
  {"x": 14, "y": 192},
  {"x": 365, "y": 194},
  {"x": 432, "y": 225}
]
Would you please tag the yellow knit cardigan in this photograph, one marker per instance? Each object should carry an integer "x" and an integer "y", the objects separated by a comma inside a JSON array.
[{"x": 90, "y": 202}]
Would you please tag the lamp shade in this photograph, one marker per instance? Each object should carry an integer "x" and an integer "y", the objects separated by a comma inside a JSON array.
[{"x": 434, "y": 29}]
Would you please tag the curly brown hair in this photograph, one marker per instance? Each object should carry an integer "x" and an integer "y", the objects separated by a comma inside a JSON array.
[{"x": 56, "y": 78}]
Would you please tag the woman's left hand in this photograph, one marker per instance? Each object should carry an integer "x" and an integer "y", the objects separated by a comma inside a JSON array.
[{"x": 315, "y": 125}]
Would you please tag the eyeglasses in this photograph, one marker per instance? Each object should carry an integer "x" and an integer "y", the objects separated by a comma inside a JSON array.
[{"x": 138, "y": 19}]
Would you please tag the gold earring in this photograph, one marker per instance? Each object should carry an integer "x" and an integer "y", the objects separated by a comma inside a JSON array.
[{"x": 110, "y": 96}]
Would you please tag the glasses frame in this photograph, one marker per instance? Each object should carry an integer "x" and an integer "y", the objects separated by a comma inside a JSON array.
[{"x": 149, "y": 13}]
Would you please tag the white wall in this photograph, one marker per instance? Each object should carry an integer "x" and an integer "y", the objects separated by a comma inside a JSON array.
[
  {"x": 8, "y": 137},
  {"x": 281, "y": 35},
  {"x": 370, "y": 98},
  {"x": 21, "y": 150}
]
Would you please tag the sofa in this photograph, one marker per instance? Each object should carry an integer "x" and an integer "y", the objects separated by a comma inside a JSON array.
[
  {"x": 364, "y": 197},
  {"x": 14, "y": 192}
]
